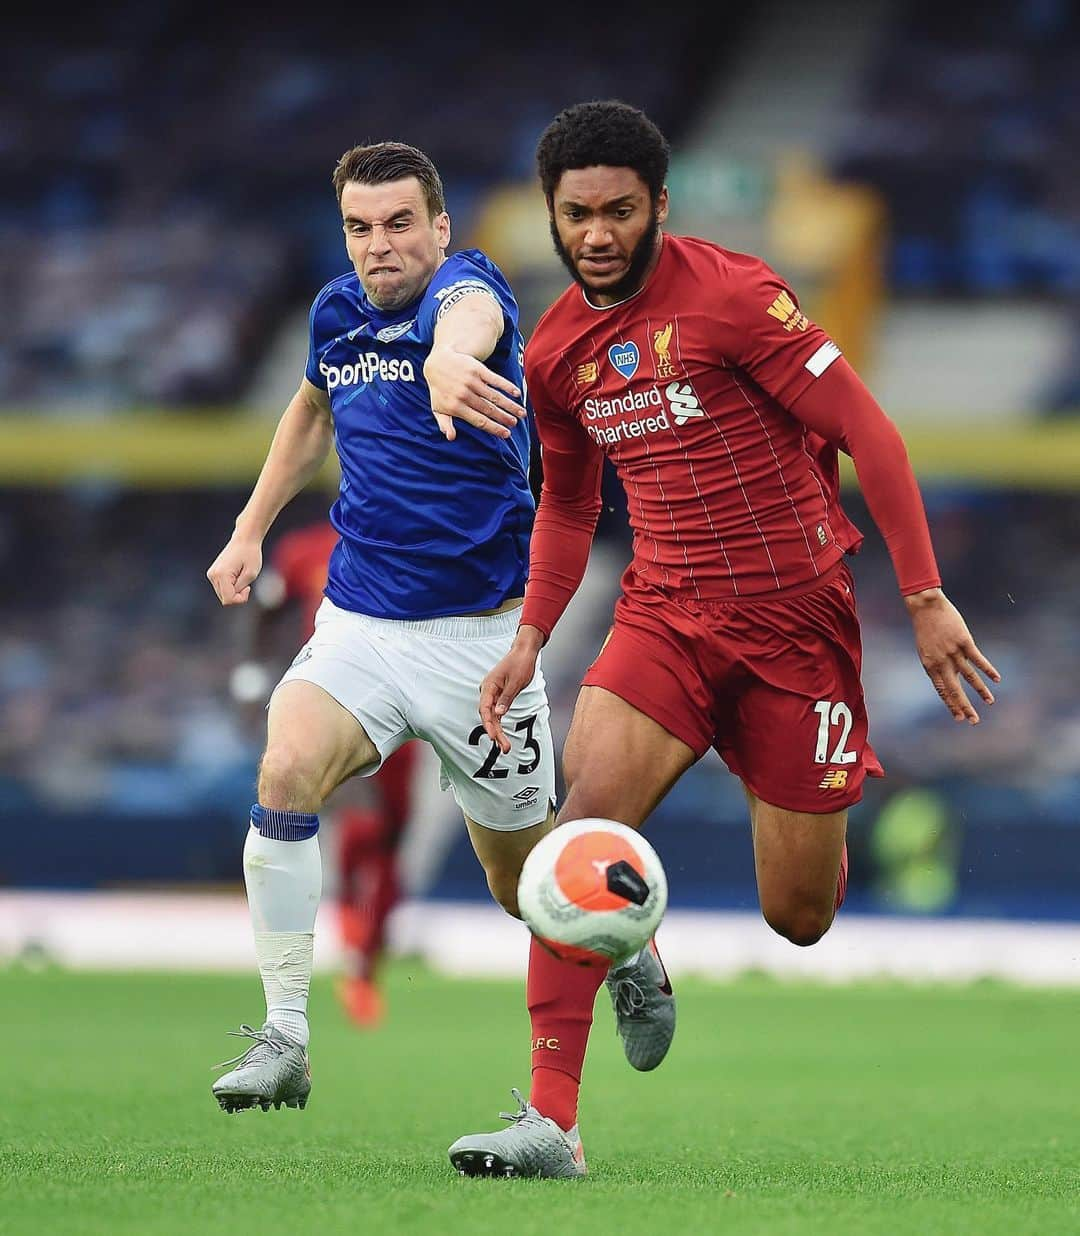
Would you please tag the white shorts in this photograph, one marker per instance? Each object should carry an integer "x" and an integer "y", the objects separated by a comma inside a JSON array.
[{"x": 421, "y": 679}]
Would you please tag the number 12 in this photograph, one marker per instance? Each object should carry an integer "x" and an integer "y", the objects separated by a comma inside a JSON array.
[{"x": 830, "y": 714}]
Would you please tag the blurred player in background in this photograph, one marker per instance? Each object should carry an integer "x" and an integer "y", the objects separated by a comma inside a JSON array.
[
  {"x": 368, "y": 826},
  {"x": 434, "y": 513},
  {"x": 722, "y": 408}
]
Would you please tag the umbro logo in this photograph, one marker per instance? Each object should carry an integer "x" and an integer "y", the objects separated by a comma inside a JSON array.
[{"x": 525, "y": 796}]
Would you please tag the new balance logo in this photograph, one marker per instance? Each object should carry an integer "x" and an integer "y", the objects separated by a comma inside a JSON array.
[
  {"x": 834, "y": 779},
  {"x": 586, "y": 375},
  {"x": 785, "y": 310}
]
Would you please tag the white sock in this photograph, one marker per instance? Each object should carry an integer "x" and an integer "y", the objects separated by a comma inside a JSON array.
[{"x": 284, "y": 885}]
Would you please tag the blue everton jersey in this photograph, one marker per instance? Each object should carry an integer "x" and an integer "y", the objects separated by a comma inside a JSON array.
[{"x": 428, "y": 527}]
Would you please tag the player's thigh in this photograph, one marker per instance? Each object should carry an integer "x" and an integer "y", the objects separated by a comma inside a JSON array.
[
  {"x": 311, "y": 736},
  {"x": 618, "y": 761},
  {"x": 797, "y": 859},
  {"x": 338, "y": 709},
  {"x": 502, "y": 852}
]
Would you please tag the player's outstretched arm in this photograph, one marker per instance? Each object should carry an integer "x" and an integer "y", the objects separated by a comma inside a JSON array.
[
  {"x": 558, "y": 555},
  {"x": 301, "y": 442},
  {"x": 503, "y": 683},
  {"x": 840, "y": 408},
  {"x": 461, "y": 385}
]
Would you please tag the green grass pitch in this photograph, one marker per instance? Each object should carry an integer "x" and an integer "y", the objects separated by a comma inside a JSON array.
[{"x": 782, "y": 1109}]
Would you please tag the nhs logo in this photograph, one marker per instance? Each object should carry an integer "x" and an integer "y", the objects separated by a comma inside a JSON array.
[{"x": 625, "y": 357}]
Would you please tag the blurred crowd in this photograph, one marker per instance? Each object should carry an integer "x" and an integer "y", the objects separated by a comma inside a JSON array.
[
  {"x": 167, "y": 167},
  {"x": 168, "y": 211},
  {"x": 114, "y": 694},
  {"x": 969, "y": 126}
]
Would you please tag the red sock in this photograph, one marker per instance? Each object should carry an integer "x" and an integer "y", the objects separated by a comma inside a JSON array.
[
  {"x": 560, "y": 997},
  {"x": 841, "y": 883}
]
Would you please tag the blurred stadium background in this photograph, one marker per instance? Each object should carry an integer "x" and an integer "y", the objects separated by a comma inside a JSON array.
[{"x": 168, "y": 216}]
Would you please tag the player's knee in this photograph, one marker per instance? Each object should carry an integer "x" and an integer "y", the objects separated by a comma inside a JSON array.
[
  {"x": 287, "y": 782},
  {"x": 801, "y": 923},
  {"x": 586, "y": 800}
]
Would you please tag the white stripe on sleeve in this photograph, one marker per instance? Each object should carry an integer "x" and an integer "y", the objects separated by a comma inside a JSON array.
[{"x": 822, "y": 358}]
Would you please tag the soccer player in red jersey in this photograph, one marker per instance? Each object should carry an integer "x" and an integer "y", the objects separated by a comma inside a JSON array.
[
  {"x": 368, "y": 835},
  {"x": 722, "y": 408}
]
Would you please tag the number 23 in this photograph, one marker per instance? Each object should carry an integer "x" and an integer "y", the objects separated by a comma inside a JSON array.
[{"x": 488, "y": 771}]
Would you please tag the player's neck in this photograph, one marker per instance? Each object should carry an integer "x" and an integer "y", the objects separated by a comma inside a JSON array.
[{"x": 608, "y": 300}]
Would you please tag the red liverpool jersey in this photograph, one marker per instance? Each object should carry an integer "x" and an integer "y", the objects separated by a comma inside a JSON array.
[{"x": 686, "y": 386}]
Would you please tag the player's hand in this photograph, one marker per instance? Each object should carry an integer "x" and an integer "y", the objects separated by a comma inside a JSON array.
[
  {"x": 464, "y": 388},
  {"x": 948, "y": 653},
  {"x": 235, "y": 569},
  {"x": 501, "y": 686}
]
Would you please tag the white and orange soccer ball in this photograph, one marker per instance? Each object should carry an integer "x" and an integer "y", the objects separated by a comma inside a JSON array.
[{"x": 593, "y": 892}]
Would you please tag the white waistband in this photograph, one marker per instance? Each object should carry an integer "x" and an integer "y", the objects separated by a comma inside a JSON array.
[{"x": 452, "y": 627}]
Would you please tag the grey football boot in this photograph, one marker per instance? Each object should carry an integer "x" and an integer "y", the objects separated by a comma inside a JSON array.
[
  {"x": 533, "y": 1145},
  {"x": 273, "y": 1069},
  {"x": 644, "y": 1007}
]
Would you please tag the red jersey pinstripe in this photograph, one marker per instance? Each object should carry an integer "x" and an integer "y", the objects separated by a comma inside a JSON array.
[{"x": 685, "y": 387}]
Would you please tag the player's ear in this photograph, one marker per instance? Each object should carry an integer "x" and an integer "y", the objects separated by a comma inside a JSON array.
[
  {"x": 662, "y": 204},
  {"x": 442, "y": 229}
]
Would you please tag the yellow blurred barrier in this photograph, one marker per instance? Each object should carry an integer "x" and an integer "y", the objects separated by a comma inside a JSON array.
[{"x": 166, "y": 451}]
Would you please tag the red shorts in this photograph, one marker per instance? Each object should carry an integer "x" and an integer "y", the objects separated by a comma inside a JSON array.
[{"x": 773, "y": 685}]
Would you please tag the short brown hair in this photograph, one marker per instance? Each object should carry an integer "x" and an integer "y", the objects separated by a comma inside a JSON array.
[{"x": 381, "y": 162}]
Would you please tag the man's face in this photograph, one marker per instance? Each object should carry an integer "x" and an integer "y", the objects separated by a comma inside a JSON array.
[
  {"x": 392, "y": 241},
  {"x": 606, "y": 229}
]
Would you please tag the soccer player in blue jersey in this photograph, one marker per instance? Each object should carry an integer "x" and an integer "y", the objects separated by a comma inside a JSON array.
[{"x": 414, "y": 373}]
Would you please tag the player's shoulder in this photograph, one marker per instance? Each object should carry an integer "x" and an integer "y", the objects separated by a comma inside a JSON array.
[
  {"x": 465, "y": 273},
  {"x": 550, "y": 337},
  {"x": 468, "y": 267},
  {"x": 557, "y": 323},
  {"x": 347, "y": 284},
  {"x": 732, "y": 267}
]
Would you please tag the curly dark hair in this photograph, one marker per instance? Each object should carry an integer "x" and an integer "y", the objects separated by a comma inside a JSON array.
[
  {"x": 380, "y": 162},
  {"x": 602, "y": 134}
]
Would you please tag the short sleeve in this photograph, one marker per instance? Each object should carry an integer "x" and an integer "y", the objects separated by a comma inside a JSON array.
[
  {"x": 312, "y": 371},
  {"x": 457, "y": 278},
  {"x": 773, "y": 340}
]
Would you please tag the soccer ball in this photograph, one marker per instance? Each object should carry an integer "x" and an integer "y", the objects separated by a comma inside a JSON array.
[{"x": 592, "y": 892}]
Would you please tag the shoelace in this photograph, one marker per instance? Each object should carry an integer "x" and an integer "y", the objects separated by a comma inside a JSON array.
[
  {"x": 262, "y": 1039},
  {"x": 513, "y": 1117},
  {"x": 630, "y": 999}
]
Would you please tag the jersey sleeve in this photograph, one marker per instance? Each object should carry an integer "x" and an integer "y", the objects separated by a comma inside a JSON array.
[
  {"x": 568, "y": 510},
  {"x": 772, "y": 339},
  {"x": 459, "y": 276},
  {"x": 842, "y": 411},
  {"x": 311, "y": 370}
]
